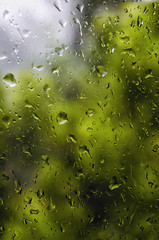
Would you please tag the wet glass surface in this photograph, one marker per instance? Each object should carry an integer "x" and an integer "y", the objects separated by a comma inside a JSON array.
[{"x": 79, "y": 120}]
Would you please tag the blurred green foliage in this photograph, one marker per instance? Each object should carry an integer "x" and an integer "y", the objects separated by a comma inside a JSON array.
[{"x": 79, "y": 146}]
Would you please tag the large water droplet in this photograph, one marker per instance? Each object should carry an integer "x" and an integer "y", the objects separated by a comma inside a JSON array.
[
  {"x": 10, "y": 80},
  {"x": 62, "y": 117}
]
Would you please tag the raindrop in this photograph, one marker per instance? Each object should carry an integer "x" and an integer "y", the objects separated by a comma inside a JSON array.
[
  {"x": 155, "y": 148},
  {"x": 129, "y": 51},
  {"x": 101, "y": 72},
  {"x": 36, "y": 116},
  {"x": 80, "y": 7},
  {"x": 38, "y": 68},
  {"x": 10, "y": 80},
  {"x": 26, "y": 33},
  {"x": 84, "y": 150},
  {"x": 63, "y": 23},
  {"x": 114, "y": 184},
  {"x": 90, "y": 112},
  {"x": 139, "y": 21},
  {"x": 146, "y": 10},
  {"x": 125, "y": 39},
  {"x": 132, "y": 24},
  {"x": 62, "y": 117},
  {"x": 59, "y": 51},
  {"x": 5, "y": 14},
  {"x": 3, "y": 56},
  {"x": 40, "y": 193},
  {"x": 57, "y": 5},
  {"x": 1, "y": 230},
  {"x": 148, "y": 74},
  {"x": 71, "y": 138},
  {"x": 46, "y": 89},
  {"x": 45, "y": 159},
  {"x": 28, "y": 200},
  {"x": 55, "y": 70},
  {"x": 5, "y": 177},
  {"x": 33, "y": 211}
]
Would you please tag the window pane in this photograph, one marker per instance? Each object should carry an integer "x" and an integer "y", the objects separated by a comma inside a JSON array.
[{"x": 79, "y": 120}]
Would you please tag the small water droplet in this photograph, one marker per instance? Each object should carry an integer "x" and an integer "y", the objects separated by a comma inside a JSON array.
[
  {"x": 83, "y": 150},
  {"x": 1, "y": 230},
  {"x": 55, "y": 70},
  {"x": 145, "y": 10},
  {"x": 63, "y": 23},
  {"x": 101, "y": 72},
  {"x": 18, "y": 190},
  {"x": 28, "y": 200},
  {"x": 10, "y": 80},
  {"x": 34, "y": 211},
  {"x": 139, "y": 21},
  {"x": 46, "y": 89},
  {"x": 89, "y": 129},
  {"x": 5, "y": 177},
  {"x": 62, "y": 117},
  {"x": 71, "y": 138},
  {"x": 132, "y": 24},
  {"x": 45, "y": 158},
  {"x": 3, "y": 55},
  {"x": 129, "y": 51},
  {"x": 38, "y": 68},
  {"x": 26, "y": 33},
  {"x": 1, "y": 201},
  {"x": 51, "y": 206},
  {"x": 57, "y": 5},
  {"x": 59, "y": 51},
  {"x": 40, "y": 193},
  {"x": 125, "y": 39},
  {"x": 36, "y": 116},
  {"x": 90, "y": 112},
  {"x": 5, "y": 14},
  {"x": 6, "y": 119},
  {"x": 114, "y": 184},
  {"x": 80, "y": 7},
  {"x": 62, "y": 228},
  {"x": 148, "y": 74}
]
